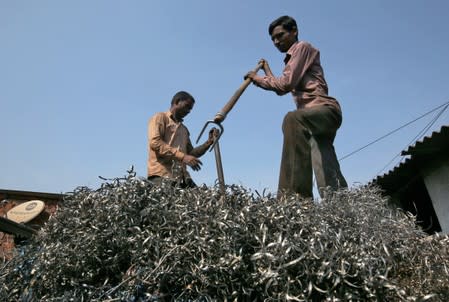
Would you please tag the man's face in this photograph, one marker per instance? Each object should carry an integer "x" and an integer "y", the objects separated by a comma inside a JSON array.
[
  {"x": 182, "y": 108},
  {"x": 282, "y": 38}
]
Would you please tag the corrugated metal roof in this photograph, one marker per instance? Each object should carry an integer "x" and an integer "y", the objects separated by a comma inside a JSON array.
[
  {"x": 16, "y": 194},
  {"x": 435, "y": 143},
  {"x": 429, "y": 147}
]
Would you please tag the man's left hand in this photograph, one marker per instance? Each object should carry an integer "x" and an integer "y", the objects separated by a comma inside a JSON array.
[{"x": 213, "y": 134}]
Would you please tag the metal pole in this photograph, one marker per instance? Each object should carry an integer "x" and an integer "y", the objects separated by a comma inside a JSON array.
[{"x": 220, "y": 174}]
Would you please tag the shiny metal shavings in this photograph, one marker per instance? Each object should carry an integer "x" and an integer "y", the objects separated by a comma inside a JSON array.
[{"x": 132, "y": 241}]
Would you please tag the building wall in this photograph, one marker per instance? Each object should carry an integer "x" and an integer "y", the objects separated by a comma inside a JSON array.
[
  {"x": 8, "y": 200},
  {"x": 436, "y": 178}
]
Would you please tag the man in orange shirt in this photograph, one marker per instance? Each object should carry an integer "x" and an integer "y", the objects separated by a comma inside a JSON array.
[
  {"x": 170, "y": 148},
  {"x": 310, "y": 130}
]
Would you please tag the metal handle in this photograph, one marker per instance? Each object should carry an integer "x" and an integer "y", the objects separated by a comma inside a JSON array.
[{"x": 218, "y": 136}]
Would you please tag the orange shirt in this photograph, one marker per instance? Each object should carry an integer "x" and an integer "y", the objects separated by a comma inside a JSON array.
[
  {"x": 168, "y": 142},
  {"x": 303, "y": 76}
]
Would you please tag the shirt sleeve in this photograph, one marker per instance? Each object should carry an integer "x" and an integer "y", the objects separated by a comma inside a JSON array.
[
  {"x": 156, "y": 131},
  {"x": 300, "y": 60}
]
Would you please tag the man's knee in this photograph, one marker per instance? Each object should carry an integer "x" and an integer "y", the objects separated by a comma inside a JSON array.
[
  {"x": 289, "y": 121},
  {"x": 293, "y": 124}
]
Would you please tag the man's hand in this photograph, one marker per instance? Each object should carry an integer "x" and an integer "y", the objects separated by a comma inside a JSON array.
[
  {"x": 192, "y": 161},
  {"x": 266, "y": 67},
  {"x": 250, "y": 75},
  {"x": 213, "y": 134}
]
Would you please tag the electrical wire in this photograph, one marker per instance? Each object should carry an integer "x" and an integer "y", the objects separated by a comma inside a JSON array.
[
  {"x": 395, "y": 130},
  {"x": 416, "y": 138}
]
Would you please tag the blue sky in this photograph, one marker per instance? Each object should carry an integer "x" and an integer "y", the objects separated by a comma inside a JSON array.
[{"x": 80, "y": 79}]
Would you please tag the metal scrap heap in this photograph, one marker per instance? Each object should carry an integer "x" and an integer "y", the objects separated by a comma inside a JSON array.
[{"x": 132, "y": 241}]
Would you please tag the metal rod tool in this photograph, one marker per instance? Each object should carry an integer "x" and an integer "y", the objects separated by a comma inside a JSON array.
[
  {"x": 220, "y": 174},
  {"x": 218, "y": 119}
]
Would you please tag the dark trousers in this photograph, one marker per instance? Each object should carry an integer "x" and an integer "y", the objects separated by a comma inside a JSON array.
[
  {"x": 309, "y": 135},
  {"x": 185, "y": 183}
]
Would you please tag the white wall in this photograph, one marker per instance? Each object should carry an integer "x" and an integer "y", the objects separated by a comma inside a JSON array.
[{"x": 436, "y": 178}]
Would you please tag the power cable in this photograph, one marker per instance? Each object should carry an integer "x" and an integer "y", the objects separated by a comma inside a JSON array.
[
  {"x": 393, "y": 131},
  {"x": 429, "y": 125},
  {"x": 417, "y": 137}
]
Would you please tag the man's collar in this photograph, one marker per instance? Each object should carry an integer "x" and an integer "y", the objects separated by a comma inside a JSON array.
[
  {"x": 288, "y": 55},
  {"x": 172, "y": 116}
]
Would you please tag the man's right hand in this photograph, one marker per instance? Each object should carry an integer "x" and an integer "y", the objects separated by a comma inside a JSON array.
[
  {"x": 250, "y": 75},
  {"x": 192, "y": 161}
]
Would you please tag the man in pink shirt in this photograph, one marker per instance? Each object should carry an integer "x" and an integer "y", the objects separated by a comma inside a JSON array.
[
  {"x": 169, "y": 145},
  {"x": 310, "y": 130}
]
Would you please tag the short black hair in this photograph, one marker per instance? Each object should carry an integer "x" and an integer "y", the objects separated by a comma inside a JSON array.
[
  {"x": 287, "y": 22},
  {"x": 181, "y": 96}
]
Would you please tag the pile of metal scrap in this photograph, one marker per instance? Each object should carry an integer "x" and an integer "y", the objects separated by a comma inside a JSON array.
[{"x": 132, "y": 241}]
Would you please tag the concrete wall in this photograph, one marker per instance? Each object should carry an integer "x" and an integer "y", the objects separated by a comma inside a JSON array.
[{"x": 436, "y": 178}]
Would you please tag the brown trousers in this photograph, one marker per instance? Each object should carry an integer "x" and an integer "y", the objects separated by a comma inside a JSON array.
[{"x": 309, "y": 135}]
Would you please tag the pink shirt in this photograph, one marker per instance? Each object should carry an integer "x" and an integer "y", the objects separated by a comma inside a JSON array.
[{"x": 303, "y": 76}]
